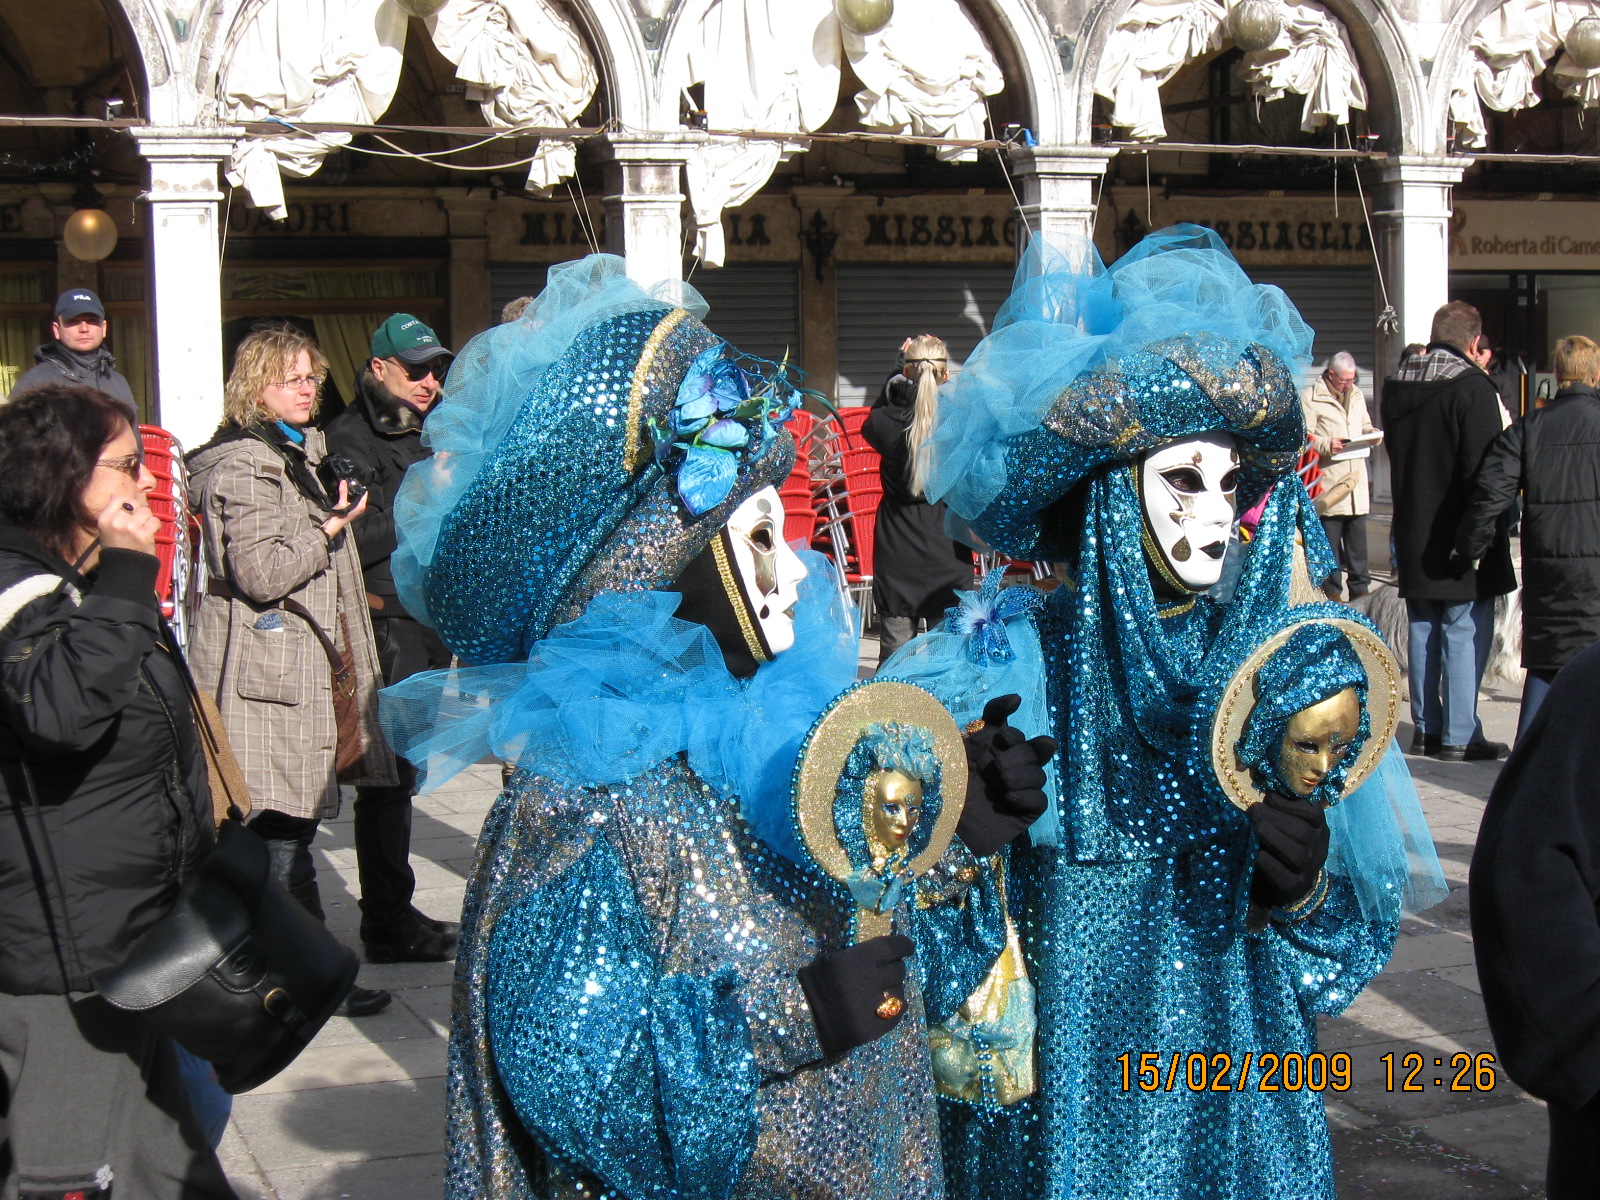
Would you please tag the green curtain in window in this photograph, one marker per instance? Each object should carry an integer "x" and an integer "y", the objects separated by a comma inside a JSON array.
[
  {"x": 129, "y": 339},
  {"x": 18, "y": 335},
  {"x": 345, "y": 338}
]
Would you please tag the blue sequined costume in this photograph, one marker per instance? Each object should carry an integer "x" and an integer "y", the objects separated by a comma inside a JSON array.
[
  {"x": 1131, "y": 902},
  {"x": 627, "y": 1018}
]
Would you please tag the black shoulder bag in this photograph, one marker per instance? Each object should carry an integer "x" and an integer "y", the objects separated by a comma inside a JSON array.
[{"x": 238, "y": 973}]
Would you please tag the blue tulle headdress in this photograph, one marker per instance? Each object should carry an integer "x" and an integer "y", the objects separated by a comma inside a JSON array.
[{"x": 570, "y": 458}]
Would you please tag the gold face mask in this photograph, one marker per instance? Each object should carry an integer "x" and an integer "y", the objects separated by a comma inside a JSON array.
[
  {"x": 1317, "y": 739},
  {"x": 893, "y": 809}
]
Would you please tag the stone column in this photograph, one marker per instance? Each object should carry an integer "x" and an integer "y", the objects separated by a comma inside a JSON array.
[
  {"x": 644, "y": 204},
  {"x": 186, "y": 274},
  {"x": 1059, "y": 188},
  {"x": 819, "y": 206},
  {"x": 468, "y": 217},
  {"x": 1413, "y": 228}
]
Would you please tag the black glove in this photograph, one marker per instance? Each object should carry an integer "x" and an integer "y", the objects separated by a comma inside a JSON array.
[
  {"x": 857, "y": 994},
  {"x": 1293, "y": 838},
  {"x": 1005, "y": 780}
]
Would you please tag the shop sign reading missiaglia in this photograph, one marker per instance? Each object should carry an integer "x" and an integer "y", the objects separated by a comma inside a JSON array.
[{"x": 1261, "y": 231}]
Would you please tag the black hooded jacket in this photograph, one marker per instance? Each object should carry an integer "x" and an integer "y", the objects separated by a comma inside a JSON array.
[
  {"x": 1535, "y": 888},
  {"x": 1440, "y": 415},
  {"x": 1553, "y": 457},
  {"x": 384, "y": 436},
  {"x": 94, "y": 710}
]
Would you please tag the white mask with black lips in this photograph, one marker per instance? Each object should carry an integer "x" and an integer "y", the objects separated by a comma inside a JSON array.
[
  {"x": 1187, "y": 490},
  {"x": 769, "y": 571}
]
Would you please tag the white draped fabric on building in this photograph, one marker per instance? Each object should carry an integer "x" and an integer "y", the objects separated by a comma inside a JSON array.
[
  {"x": 338, "y": 62},
  {"x": 525, "y": 65},
  {"x": 1509, "y": 52},
  {"x": 1312, "y": 57},
  {"x": 334, "y": 61},
  {"x": 775, "y": 66}
]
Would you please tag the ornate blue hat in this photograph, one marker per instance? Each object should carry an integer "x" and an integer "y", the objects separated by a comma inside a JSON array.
[{"x": 595, "y": 444}]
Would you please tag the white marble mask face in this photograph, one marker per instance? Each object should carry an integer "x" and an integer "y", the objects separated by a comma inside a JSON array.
[
  {"x": 1187, "y": 489},
  {"x": 769, "y": 572}
]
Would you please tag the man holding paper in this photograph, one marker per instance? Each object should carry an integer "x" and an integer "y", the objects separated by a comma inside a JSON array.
[{"x": 1340, "y": 429}]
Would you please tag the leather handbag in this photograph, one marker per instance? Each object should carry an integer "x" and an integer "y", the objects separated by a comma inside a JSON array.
[
  {"x": 238, "y": 973},
  {"x": 348, "y": 753}
]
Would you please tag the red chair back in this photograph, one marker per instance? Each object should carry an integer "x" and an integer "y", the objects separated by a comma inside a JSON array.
[{"x": 863, "y": 490}]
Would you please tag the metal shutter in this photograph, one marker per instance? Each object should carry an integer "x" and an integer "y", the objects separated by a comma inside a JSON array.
[
  {"x": 755, "y": 306},
  {"x": 1338, "y": 304},
  {"x": 507, "y": 281},
  {"x": 882, "y": 304}
]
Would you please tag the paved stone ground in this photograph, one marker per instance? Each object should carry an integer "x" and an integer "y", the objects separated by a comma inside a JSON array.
[{"x": 360, "y": 1115}]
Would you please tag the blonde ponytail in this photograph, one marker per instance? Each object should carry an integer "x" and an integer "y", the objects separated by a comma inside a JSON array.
[{"x": 926, "y": 364}]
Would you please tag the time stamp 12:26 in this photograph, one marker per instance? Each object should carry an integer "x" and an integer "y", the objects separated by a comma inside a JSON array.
[{"x": 1154, "y": 1071}]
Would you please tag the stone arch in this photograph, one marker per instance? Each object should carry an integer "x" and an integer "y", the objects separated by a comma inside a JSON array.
[
  {"x": 1452, "y": 57},
  {"x": 1398, "y": 98}
]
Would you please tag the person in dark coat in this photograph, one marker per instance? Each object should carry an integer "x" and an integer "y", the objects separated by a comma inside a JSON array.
[
  {"x": 381, "y": 433},
  {"x": 104, "y": 809},
  {"x": 76, "y": 351},
  {"x": 1550, "y": 456},
  {"x": 916, "y": 567},
  {"x": 1441, "y": 412},
  {"x": 1535, "y": 889}
]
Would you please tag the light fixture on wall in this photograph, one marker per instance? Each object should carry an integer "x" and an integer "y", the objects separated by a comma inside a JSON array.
[
  {"x": 1583, "y": 42},
  {"x": 864, "y": 17},
  {"x": 651, "y": 16},
  {"x": 90, "y": 234},
  {"x": 420, "y": 8},
  {"x": 1254, "y": 24}
]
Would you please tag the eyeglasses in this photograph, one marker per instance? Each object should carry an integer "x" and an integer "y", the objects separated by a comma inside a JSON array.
[
  {"x": 128, "y": 464},
  {"x": 417, "y": 372},
  {"x": 295, "y": 382}
]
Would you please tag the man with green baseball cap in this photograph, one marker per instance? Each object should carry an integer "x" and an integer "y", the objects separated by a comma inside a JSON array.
[{"x": 380, "y": 432}]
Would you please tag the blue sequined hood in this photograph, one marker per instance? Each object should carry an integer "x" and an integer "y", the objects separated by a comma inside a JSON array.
[{"x": 544, "y": 488}]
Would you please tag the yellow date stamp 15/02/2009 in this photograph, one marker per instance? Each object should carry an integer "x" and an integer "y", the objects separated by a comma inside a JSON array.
[{"x": 1266, "y": 1071}]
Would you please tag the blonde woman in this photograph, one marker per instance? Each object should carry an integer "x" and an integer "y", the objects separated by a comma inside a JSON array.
[
  {"x": 283, "y": 566},
  {"x": 916, "y": 568}
]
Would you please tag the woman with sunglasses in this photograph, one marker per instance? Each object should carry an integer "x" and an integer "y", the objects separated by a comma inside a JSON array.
[
  {"x": 284, "y": 575},
  {"x": 104, "y": 808}
]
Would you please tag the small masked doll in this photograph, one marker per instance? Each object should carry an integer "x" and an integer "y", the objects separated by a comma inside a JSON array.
[
  {"x": 1115, "y": 422},
  {"x": 657, "y": 994}
]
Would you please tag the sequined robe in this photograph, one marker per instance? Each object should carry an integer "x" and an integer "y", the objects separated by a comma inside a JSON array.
[
  {"x": 628, "y": 1021},
  {"x": 1135, "y": 951}
]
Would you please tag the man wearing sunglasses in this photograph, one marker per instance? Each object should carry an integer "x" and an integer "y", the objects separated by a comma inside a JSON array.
[
  {"x": 76, "y": 351},
  {"x": 380, "y": 433}
]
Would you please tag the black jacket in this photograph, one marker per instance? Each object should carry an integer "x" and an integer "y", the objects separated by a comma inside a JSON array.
[
  {"x": 1553, "y": 457},
  {"x": 52, "y": 364},
  {"x": 1437, "y": 428},
  {"x": 1535, "y": 887},
  {"x": 384, "y": 436},
  {"x": 96, "y": 710}
]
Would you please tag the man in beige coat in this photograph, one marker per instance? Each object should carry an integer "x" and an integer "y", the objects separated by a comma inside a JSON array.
[{"x": 1336, "y": 411}]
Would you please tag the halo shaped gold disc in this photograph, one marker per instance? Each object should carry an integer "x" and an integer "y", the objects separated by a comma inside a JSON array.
[
  {"x": 828, "y": 746},
  {"x": 1239, "y": 701}
]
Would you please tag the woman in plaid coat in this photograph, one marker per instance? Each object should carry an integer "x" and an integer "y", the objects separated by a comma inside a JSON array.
[{"x": 273, "y": 535}]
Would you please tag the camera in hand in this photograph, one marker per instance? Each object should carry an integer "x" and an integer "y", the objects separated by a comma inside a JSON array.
[{"x": 336, "y": 468}]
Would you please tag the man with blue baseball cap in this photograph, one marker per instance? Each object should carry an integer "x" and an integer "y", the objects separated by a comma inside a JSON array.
[
  {"x": 380, "y": 433},
  {"x": 77, "y": 352}
]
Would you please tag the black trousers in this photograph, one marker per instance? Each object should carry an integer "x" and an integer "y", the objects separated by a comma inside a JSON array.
[
  {"x": 1348, "y": 537},
  {"x": 383, "y": 814}
]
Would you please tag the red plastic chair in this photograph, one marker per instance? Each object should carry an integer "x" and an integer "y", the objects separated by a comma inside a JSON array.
[{"x": 178, "y": 539}]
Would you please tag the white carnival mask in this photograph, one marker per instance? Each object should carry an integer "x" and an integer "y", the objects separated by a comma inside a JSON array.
[
  {"x": 769, "y": 571},
  {"x": 1187, "y": 491}
]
